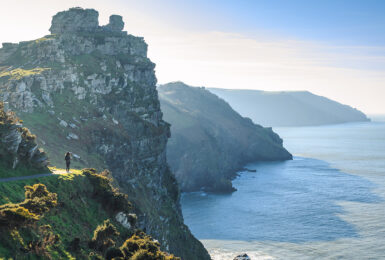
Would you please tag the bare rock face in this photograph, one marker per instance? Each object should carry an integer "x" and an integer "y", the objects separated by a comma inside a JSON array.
[
  {"x": 75, "y": 20},
  {"x": 116, "y": 23},
  {"x": 18, "y": 145},
  {"x": 83, "y": 20}
]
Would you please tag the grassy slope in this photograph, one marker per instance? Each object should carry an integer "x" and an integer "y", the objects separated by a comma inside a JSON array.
[
  {"x": 21, "y": 170},
  {"x": 77, "y": 215}
]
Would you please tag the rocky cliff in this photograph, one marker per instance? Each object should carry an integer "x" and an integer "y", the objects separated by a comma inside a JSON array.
[
  {"x": 210, "y": 141},
  {"x": 90, "y": 89},
  {"x": 288, "y": 108},
  {"x": 18, "y": 147}
]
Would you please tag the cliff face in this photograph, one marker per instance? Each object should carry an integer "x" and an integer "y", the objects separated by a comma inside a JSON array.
[
  {"x": 90, "y": 89},
  {"x": 289, "y": 108},
  {"x": 210, "y": 141}
]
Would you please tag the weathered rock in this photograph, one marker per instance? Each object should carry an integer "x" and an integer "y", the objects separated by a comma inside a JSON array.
[
  {"x": 18, "y": 146},
  {"x": 116, "y": 23},
  {"x": 242, "y": 257},
  {"x": 72, "y": 136},
  {"x": 123, "y": 219},
  {"x": 75, "y": 20},
  {"x": 63, "y": 123}
]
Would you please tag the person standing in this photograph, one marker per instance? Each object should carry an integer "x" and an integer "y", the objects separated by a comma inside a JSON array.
[{"x": 67, "y": 158}]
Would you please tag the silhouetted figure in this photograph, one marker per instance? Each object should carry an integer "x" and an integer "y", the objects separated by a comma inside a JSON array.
[{"x": 67, "y": 158}]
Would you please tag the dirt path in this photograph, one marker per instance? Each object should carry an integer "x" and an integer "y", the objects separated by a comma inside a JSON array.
[{"x": 54, "y": 172}]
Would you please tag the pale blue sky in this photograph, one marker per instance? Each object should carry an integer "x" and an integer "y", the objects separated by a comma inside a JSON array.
[
  {"x": 334, "y": 48},
  {"x": 358, "y": 22}
]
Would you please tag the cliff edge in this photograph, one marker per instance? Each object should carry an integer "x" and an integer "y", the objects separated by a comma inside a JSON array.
[
  {"x": 210, "y": 141},
  {"x": 91, "y": 90}
]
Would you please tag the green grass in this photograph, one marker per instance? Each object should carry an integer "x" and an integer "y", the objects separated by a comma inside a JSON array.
[
  {"x": 21, "y": 170},
  {"x": 77, "y": 215},
  {"x": 52, "y": 136}
]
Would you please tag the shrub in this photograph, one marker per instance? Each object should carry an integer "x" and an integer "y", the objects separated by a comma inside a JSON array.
[
  {"x": 46, "y": 239},
  {"x": 13, "y": 215},
  {"x": 103, "y": 236},
  {"x": 114, "y": 253},
  {"x": 109, "y": 196},
  {"x": 141, "y": 246},
  {"x": 38, "y": 201}
]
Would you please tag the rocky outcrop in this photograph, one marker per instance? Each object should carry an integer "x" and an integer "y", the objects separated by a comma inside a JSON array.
[
  {"x": 99, "y": 79},
  {"x": 18, "y": 146},
  {"x": 77, "y": 20},
  {"x": 210, "y": 141},
  {"x": 242, "y": 257}
]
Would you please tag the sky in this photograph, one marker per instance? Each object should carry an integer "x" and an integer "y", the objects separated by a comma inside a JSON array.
[{"x": 333, "y": 48}]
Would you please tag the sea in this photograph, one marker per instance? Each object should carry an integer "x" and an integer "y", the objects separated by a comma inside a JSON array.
[{"x": 326, "y": 203}]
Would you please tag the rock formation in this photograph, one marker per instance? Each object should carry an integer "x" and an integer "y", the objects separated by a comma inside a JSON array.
[
  {"x": 210, "y": 141},
  {"x": 242, "y": 257},
  {"x": 18, "y": 146},
  {"x": 99, "y": 80}
]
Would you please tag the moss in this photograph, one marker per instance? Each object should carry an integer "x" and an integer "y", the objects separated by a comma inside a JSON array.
[{"x": 19, "y": 73}]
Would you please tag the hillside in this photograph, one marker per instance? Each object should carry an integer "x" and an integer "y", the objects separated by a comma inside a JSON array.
[
  {"x": 294, "y": 108},
  {"x": 91, "y": 90},
  {"x": 209, "y": 140},
  {"x": 80, "y": 215},
  {"x": 72, "y": 216}
]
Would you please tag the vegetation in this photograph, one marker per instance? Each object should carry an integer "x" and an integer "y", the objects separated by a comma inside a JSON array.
[
  {"x": 104, "y": 236},
  {"x": 77, "y": 214},
  {"x": 75, "y": 222},
  {"x": 142, "y": 247},
  {"x": 20, "y": 73},
  {"x": 10, "y": 131}
]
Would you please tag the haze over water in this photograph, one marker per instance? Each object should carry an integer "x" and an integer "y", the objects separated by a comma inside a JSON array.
[{"x": 329, "y": 202}]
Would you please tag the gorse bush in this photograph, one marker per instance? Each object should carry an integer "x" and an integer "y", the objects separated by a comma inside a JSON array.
[
  {"x": 46, "y": 239},
  {"x": 108, "y": 195},
  {"x": 38, "y": 200},
  {"x": 141, "y": 246},
  {"x": 12, "y": 215},
  {"x": 104, "y": 236}
]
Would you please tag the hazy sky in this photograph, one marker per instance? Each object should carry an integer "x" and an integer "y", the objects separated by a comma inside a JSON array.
[{"x": 334, "y": 48}]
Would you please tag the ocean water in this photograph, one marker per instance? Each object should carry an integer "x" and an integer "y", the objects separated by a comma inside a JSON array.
[{"x": 327, "y": 203}]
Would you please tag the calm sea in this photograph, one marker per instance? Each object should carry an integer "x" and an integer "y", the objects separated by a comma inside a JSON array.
[{"x": 327, "y": 203}]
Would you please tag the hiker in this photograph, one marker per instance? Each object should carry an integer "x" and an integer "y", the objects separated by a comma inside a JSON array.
[{"x": 67, "y": 158}]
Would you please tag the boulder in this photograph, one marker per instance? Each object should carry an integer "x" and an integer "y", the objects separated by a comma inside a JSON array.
[{"x": 242, "y": 257}]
